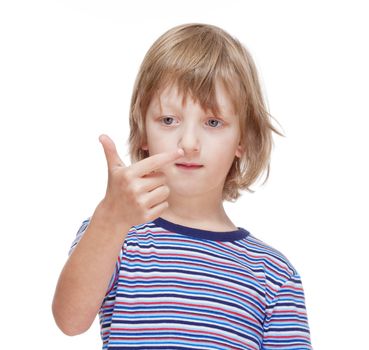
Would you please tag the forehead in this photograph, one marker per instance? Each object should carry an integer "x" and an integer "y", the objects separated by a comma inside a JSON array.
[{"x": 172, "y": 96}]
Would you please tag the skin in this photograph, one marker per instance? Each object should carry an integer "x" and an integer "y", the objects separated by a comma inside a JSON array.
[
  {"x": 195, "y": 197},
  {"x": 134, "y": 194},
  {"x": 147, "y": 189}
]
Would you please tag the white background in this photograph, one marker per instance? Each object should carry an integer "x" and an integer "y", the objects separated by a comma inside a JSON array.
[{"x": 66, "y": 74}]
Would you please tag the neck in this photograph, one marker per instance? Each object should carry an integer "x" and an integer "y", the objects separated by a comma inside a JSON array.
[{"x": 201, "y": 211}]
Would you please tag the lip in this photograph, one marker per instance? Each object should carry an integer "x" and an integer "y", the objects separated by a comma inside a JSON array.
[{"x": 189, "y": 164}]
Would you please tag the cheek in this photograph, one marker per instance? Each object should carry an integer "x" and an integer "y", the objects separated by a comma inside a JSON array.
[
  {"x": 228, "y": 154},
  {"x": 158, "y": 144},
  {"x": 226, "y": 145},
  {"x": 154, "y": 139},
  {"x": 220, "y": 154}
]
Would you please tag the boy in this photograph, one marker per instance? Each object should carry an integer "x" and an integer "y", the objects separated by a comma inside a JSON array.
[{"x": 159, "y": 259}]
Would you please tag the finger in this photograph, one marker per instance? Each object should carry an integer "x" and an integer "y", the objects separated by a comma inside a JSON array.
[
  {"x": 111, "y": 154},
  {"x": 157, "y": 210},
  {"x": 157, "y": 161}
]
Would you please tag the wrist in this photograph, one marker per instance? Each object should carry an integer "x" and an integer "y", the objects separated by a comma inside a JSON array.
[{"x": 106, "y": 217}]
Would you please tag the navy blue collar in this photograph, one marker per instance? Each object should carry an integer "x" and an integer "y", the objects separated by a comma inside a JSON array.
[{"x": 224, "y": 236}]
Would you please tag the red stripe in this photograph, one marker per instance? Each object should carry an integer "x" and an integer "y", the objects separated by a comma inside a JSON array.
[
  {"x": 171, "y": 338},
  {"x": 219, "y": 285},
  {"x": 210, "y": 307}
]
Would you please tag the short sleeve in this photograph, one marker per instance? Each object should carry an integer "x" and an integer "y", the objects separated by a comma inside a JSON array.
[
  {"x": 286, "y": 324},
  {"x": 79, "y": 234},
  {"x": 78, "y": 237}
]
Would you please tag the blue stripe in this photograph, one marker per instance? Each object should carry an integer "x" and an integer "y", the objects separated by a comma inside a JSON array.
[{"x": 258, "y": 299}]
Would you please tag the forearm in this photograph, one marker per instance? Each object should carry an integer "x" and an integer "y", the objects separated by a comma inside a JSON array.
[{"x": 85, "y": 277}]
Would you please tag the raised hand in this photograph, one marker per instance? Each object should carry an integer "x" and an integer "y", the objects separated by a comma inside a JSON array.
[{"x": 137, "y": 193}]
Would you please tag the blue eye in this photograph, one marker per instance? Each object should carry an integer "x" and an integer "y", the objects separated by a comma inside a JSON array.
[
  {"x": 166, "y": 118},
  {"x": 216, "y": 120}
]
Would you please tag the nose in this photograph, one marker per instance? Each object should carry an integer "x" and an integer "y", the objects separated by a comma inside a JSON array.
[{"x": 189, "y": 140}]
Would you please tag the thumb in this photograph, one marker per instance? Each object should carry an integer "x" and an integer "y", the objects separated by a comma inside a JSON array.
[{"x": 111, "y": 154}]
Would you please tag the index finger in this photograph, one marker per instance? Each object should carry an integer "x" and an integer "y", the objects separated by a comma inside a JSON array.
[{"x": 155, "y": 162}]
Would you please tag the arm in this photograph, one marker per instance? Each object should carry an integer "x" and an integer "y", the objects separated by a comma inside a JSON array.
[
  {"x": 134, "y": 195},
  {"x": 85, "y": 277},
  {"x": 286, "y": 324}
]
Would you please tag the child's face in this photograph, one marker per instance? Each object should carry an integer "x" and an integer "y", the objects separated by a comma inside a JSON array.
[{"x": 208, "y": 140}]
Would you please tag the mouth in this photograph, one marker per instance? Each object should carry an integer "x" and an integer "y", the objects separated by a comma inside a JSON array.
[{"x": 189, "y": 165}]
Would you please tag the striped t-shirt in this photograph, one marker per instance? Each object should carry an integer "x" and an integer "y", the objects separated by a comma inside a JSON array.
[{"x": 178, "y": 288}]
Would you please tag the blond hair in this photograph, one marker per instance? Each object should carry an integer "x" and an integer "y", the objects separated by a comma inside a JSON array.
[{"x": 194, "y": 57}]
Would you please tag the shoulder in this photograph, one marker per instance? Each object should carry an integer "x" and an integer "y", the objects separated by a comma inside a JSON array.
[
  {"x": 272, "y": 268},
  {"x": 274, "y": 264}
]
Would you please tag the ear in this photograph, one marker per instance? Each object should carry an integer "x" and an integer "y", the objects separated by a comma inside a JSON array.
[
  {"x": 239, "y": 151},
  {"x": 144, "y": 147}
]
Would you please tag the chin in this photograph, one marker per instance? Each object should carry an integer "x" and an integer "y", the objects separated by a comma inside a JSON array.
[{"x": 186, "y": 190}]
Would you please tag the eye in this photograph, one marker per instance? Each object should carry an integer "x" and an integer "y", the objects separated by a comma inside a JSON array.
[
  {"x": 166, "y": 120},
  {"x": 214, "y": 120}
]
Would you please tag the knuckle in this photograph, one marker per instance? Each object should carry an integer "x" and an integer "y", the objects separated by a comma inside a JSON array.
[
  {"x": 135, "y": 188},
  {"x": 132, "y": 194},
  {"x": 155, "y": 165},
  {"x": 166, "y": 189},
  {"x": 141, "y": 203},
  {"x": 161, "y": 177}
]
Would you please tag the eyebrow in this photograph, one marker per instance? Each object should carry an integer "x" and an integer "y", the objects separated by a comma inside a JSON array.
[{"x": 161, "y": 105}]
